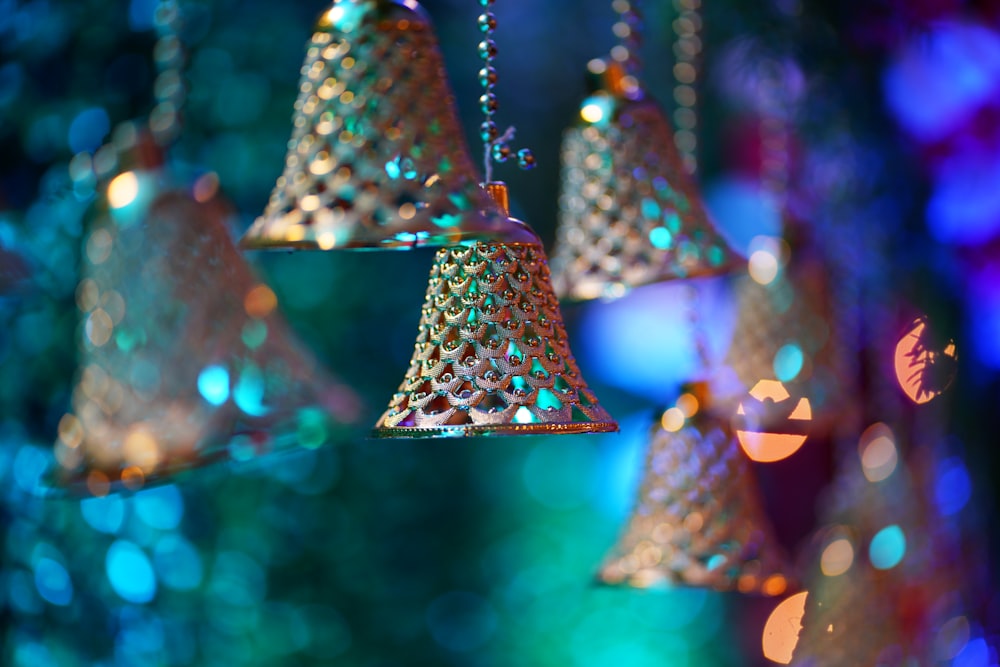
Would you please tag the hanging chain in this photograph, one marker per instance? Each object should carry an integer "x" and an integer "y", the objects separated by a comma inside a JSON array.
[
  {"x": 496, "y": 145},
  {"x": 687, "y": 51},
  {"x": 169, "y": 89},
  {"x": 774, "y": 134},
  {"x": 628, "y": 30}
]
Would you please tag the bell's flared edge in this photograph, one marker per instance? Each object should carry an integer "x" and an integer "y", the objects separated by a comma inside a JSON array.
[{"x": 491, "y": 430}]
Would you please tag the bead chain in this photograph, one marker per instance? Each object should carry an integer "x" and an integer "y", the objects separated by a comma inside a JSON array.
[
  {"x": 687, "y": 49},
  {"x": 628, "y": 30},
  {"x": 496, "y": 146},
  {"x": 169, "y": 89}
]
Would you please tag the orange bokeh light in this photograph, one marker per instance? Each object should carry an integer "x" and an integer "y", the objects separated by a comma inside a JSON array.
[
  {"x": 781, "y": 632},
  {"x": 773, "y": 441}
]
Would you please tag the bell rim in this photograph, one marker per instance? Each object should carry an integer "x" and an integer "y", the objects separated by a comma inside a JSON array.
[{"x": 488, "y": 430}]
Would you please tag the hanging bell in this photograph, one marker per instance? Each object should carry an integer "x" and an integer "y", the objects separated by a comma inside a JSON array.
[
  {"x": 184, "y": 358},
  {"x": 786, "y": 333},
  {"x": 377, "y": 158},
  {"x": 629, "y": 214},
  {"x": 492, "y": 357},
  {"x": 699, "y": 520}
]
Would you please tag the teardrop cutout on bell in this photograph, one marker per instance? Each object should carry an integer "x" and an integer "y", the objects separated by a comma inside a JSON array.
[
  {"x": 377, "y": 159},
  {"x": 629, "y": 214},
  {"x": 492, "y": 356}
]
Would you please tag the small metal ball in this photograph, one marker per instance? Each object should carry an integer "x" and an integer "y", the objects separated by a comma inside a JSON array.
[
  {"x": 488, "y": 103},
  {"x": 501, "y": 152},
  {"x": 488, "y": 22},
  {"x": 487, "y": 49},
  {"x": 525, "y": 159},
  {"x": 488, "y": 131},
  {"x": 488, "y": 77}
]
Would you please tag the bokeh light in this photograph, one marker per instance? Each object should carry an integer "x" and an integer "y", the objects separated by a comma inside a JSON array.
[
  {"x": 781, "y": 632},
  {"x": 887, "y": 548}
]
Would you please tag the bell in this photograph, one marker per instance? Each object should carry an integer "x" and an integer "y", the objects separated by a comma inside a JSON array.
[
  {"x": 786, "y": 333},
  {"x": 629, "y": 214},
  {"x": 492, "y": 356},
  {"x": 377, "y": 158},
  {"x": 699, "y": 520},
  {"x": 184, "y": 358}
]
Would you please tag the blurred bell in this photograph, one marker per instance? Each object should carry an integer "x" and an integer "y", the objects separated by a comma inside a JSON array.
[
  {"x": 377, "y": 158},
  {"x": 786, "y": 332},
  {"x": 628, "y": 214},
  {"x": 492, "y": 357},
  {"x": 699, "y": 520},
  {"x": 184, "y": 358}
]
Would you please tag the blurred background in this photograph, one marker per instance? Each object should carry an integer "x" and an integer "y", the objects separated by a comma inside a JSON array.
[{"x": 482, "y": 552}]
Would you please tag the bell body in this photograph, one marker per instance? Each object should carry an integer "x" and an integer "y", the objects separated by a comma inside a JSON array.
[
  {"x": 492, "y": 357},
  {"x": 184, "y": 358},
  {"x": 377, "y": 159},
  {"x": 699, "y": 520},
  {"x": 629, "y": 214}
]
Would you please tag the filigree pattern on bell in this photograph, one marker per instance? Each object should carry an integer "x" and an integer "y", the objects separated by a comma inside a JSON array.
[
  {"x": 492, "y": 356},
  {"x": 699, "y": 520},
  {"x": 377, "y": 157},
  {"x": 628, "y": 213},
  {"x": 184, "y": 357}
]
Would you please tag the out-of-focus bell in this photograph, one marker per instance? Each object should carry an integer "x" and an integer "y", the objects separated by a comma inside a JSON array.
[
  {"x": 629, "y": 213},
  {"x": 377, "y": 159},
  {"x": 492, "y": 357},
  {"x": 699, "y": 520},
  {"x": 184, "y": 358}
]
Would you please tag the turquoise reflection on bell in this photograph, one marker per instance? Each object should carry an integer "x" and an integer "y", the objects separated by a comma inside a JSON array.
[
  {"x": 547, "y": 400},
  {"x": 887, "y": 548},
  {"x": 650, "y": 209},
  {"x": 788, "y": 362},
  {"x": 213, "y": 384},
  {"x": 661, "y": 238},
  {"x": 249, "y": 392},
  {"x": 524, "y": 416}
]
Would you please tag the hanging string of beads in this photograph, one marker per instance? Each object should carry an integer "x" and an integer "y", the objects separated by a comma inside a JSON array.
[
  {"x": 496, "y": 145},
  {"x": 687, "y": 51},
  {"x": 169, "y": 89},
  {"x": 628, "y": 30}
]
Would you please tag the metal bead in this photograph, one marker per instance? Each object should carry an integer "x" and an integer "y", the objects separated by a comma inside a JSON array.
[
  {"x": 525, "y": 159},
  {"x": 487, "y": 77},
  {"x": 488, "y": 131},
  {"x": 488, "y": 103},
  {"x": 488, "y": 22},
  {"x": 487, "y": 49},
  {"x": 500, "y": 152}
]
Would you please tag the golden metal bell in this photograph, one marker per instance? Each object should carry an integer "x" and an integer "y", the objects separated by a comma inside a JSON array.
[
  {"x": 629, "y": 214},
  {"x": 699, "y": 520},
  {"x": 184, "y": 357},
  {"x": 377, "y": 159},
  {"x": 492, "y": 357}
]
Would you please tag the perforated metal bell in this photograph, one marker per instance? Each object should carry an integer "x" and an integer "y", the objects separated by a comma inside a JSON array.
[
  {"x": 377, "y": 159},
  {"x": 629, "y": 214},
  {"x": 184, "y": 358},
  {"x": 699, "y": 520},
  {"x": 492, "y": 357}
]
